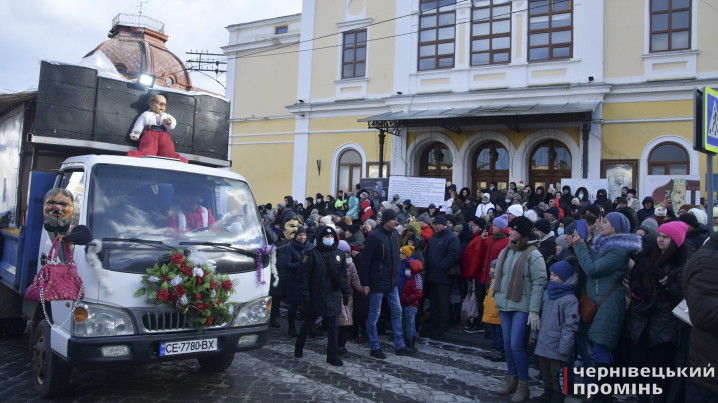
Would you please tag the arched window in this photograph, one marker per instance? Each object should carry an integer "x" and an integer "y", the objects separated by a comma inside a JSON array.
[
  {"x": 491, "y": 164},
  {"x": 668, "y": 159},
  {"x": 437, "y": 162},
  {"x": 550, "y": 161},
  {"x": 348, "y": 170}
]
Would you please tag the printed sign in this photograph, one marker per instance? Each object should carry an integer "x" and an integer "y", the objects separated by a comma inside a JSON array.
[
  {"x": 592, "y": 185},
  {"x": 684, "y": 189},
  {"x": 710, "y": 120},
  {"x": 421, "y": 191}
]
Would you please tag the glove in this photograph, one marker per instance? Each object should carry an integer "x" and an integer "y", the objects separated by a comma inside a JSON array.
[
  {"x": 534, "y": 321},
  {"x": 345, "y": 299},
  {"x": 408, "y": 299},
  {"x": 306, "y": 306}
]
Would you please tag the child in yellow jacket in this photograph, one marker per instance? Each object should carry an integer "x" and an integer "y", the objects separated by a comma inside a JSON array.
[{"x": 491, "y": 316}]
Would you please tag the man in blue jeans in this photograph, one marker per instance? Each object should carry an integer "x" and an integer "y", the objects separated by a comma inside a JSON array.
[{"x": 379, "y": 274}]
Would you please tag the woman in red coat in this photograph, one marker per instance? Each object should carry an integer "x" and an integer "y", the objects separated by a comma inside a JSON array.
[{"x": 496, "y": 240}]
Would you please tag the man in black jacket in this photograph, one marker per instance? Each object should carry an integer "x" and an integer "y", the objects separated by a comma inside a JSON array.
[
  {"x": 444, "y": 251},
  {"x": 379, "y": 275},
  {"x": 495, "y": 193},
  {"x": 323, "y": 285}
]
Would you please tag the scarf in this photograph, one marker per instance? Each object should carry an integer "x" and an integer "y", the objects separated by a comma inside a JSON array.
[
  {"x": 498, "y": 235},
  {"x": 556, "y": 290},
  {"x": 516, "y": 282}
]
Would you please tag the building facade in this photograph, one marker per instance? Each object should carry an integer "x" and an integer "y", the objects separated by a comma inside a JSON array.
[{"x": 471, "y": 91}]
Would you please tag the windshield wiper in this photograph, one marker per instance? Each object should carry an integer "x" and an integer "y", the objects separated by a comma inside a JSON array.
[
  {"x": 157, "y": 244},
  {"x": 226, "y": 246}
]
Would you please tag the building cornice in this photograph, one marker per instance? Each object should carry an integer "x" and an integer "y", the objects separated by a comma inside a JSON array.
[
  {"x": 261, "y": 23},
  {"x": 267, "y": 42}
]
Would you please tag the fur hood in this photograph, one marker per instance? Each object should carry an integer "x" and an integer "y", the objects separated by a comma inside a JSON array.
[
  {"x": 572, "y": 280},
  {"x": 631, "y": 242}
]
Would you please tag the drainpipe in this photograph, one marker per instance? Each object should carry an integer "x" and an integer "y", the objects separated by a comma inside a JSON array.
[
  {"x": 382, "y": 136},
  {"x": 586, "y": 131}
]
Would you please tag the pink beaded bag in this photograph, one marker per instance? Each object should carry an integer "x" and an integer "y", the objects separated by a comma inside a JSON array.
[{"x": 56, "y": 281}]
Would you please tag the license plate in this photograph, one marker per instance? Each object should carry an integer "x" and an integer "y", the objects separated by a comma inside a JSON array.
[{"x": 186, "y": 347}]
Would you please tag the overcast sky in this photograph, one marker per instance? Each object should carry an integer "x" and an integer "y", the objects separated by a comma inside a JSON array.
[{"x": 66, "y": 30}]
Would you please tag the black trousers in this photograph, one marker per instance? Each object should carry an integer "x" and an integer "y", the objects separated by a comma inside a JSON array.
[
  {"x": 332, "y": 331},
  {"x": 440, "y": 295}
]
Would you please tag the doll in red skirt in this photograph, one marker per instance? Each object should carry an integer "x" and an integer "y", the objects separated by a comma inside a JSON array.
[{"x": 151, "y": 130}]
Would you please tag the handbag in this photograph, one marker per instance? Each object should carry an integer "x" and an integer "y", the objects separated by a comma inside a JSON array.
[
  {"x": 56, "y": 281},
  {"x": 681, "y": 312},
  {"x": 587, "y": 309},
  {"x": 454, "y": 271},
  {"x": 646, "y": 306},
  {"x": 470, "y": 308}
]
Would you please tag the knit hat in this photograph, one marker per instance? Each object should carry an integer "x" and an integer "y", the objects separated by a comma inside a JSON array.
[
  {"x": 344, "y": 246},
  {"x": 387, "y": 205},
  {"x": 486, "y": 195},
  {"x": 388, "y": 215},
  {"x": 676, "y": 230},
  {"x": 414, "y": 227},
  {"x": 342, "y": 225},
  {"x": 481, "y": 222},
  {"x": 594, "y": 209},
  {"x": 619, "y": 222},
  {"x": 570, "y": 228},
  {"x": 353, "y": 228},
  {"x": 372, "y": 223},
  {"x": 522, "y": 225},
  {"x": 501, "y": 222},
  {"x": 310, "y": 223},
  {"x": 432, "y": 205},
  {"x": 661, "y": 212},
  {"x": 542, "y": 205},
  {"x": 575, "y": 201},
  {"x": 531, "y": 215},
  {"x": 543, "y": 225},
  {"x": 700, "y": 215},
  {"x": 407, "y": 250},
  {"x": 622, "y": 200},
  {"x": 689, "y": 219},
  {"x": 347, "y": 220},
  {"x": 319, "y": 196},
  {"x": 407, "y": 202},
  {"x": 425, "y": 218},
  {"x": 458, "y": 228},
  {"x": 563, "y": 270},
  {"x": 440, "y": 219},
  {"x": 562, "y": 241},
  {"x": 450, "y": 218},
  {"x": 516, "y": 210},
  {"x": 301, "y": 230},
  {"x": 650, "y": 222},
  {"x": 553, "y": 211}
]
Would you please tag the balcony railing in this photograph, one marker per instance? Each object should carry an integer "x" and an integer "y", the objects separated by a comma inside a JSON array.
[{"x": 134, "y": 20}]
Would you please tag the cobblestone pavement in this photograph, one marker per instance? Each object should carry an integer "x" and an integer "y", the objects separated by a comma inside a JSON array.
[{"x": 441, "y": 372}]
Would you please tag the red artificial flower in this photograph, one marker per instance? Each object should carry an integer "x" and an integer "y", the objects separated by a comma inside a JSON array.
[
  {"x": 227, "y": 285},
  {"x": 180, "y": 291},
  {"x": 213, "y": 284},
  {"x": 209, "y": 321},
  {"x": 162, "y": 295},
  {"x": 185, "y": 269},
  {"x": 177, "y": 258},
  {"x": 219, "y": 302},
  {"x": 165, "y": 278},
  {"x": 199, "y": 280},
  {"x": 200, "y": 306},
  {"x": 197, "y": 296},
  {"x": 205, "y": 272},
  {"x": 172, "y": 298}
]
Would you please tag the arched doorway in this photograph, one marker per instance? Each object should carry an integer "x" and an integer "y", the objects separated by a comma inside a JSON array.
[
  {"x": 348, "y": 170},
  {"x": 437, "y": 162},
  {"x": 550, "y": 161},
  {"x": 490, "y": 163}
]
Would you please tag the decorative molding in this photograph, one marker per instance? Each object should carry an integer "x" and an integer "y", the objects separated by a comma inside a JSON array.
[
  {"x": 265, "y": 22},
  {"x": 266, "y": 42},
  {"x": 521, "y": 164},
  {"x": 477, "y": 140},
  {"x": 335, "y": 163},
  {"x": 355, "y": 24},
  {"x": 694, "y": 167},
  {"x": 417, "y": 147}
]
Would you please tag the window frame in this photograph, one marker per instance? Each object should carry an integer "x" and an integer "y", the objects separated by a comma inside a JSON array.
[
  {"x": 370, "y": 164},
  {"x": 354, "y": 47},
  {"x": 490, "y": 37},
  {"x": 550, "y": 30},
  {"x": 669, "y": 31},
  {"x": 667, "y": 164},
  {"x": 351, "y": 166},
  {"x": 436, "y": 13},
  {"x": 285, "y": 27}
]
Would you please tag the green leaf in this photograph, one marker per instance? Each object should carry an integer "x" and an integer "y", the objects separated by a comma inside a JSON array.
[
  {"x": 202, "y": 320},
  {"x": 164, "y": 285},
  {"x": 153, "y": 295},
  {"x": 164, "y": 269},
  {"x": 140, "y": 292},
  {"x": 151, "y": 271}
]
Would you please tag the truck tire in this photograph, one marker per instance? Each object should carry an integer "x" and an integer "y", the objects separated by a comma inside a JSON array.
[
  {"x": 15, "y": 327},
  {"x": 51, "y": 378},
  {"x": 217, "y": 363}
]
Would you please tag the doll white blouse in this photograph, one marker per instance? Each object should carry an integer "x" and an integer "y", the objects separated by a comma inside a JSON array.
[{"x": 150, "y": 118}]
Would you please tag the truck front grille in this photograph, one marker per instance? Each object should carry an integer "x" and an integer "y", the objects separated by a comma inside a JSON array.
[{"x": 168, "y": 321}]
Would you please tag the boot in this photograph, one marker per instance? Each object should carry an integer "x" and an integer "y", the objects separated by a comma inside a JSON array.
[
  {"x": 292, "y": 332},
  {"x": 332, "y": 359},
  {"x": 522, "y": 393},
  {"x": 512, "y": 382},
  {"x": 546, "y": 397},
  {"x": 299, "y": 348},
  {"x": 291, "y": 318}
]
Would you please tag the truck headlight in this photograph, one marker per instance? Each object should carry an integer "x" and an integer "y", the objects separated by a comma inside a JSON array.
[
  {"x": 254, "y": 312},
  {"x": 99, "y": 321}
]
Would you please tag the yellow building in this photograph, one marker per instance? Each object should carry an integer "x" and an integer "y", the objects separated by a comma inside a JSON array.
[{"x": 471, "y": 91}]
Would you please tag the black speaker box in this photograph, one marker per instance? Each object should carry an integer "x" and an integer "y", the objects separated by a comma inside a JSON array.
[{"x": 211, "y": 131}]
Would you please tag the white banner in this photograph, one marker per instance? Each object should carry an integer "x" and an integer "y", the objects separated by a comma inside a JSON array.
[
  {"x": 592, "y": 185},
  {"x": 421, "y": 191}
]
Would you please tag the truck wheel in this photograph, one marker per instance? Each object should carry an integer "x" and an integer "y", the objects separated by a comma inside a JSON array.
[
  {"x": 50, "y": 376},
  {"x": 217, "y": 363},
  {"x": 15, "y": 327}
]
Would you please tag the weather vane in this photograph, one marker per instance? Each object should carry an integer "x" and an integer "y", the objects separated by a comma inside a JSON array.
[{"x": 140, "y": 5}]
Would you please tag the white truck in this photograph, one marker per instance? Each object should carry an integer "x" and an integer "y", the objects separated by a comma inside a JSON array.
[{"x": 127, "y": 204}]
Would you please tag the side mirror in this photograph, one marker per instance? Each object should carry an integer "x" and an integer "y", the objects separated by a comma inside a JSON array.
[{"x": 80, "y": 235}]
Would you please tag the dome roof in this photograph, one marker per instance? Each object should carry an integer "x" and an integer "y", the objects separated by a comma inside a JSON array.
[{"x": 137, "y": 45}]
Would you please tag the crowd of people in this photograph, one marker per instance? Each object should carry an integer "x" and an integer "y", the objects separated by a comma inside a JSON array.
[{"x": 554, "y": 278}]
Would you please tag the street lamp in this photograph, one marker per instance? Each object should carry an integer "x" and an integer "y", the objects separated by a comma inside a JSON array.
[{"x": 146, "y": 80}]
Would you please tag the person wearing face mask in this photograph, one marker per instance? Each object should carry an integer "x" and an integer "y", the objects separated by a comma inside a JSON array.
[
  {"x": 495, "y": 193},
  {"x": 582, "y": 196},
  {"x": 323, "y": 285},
  {"x": 347, "y": 314},
  {"x": 485, "y": 205},
  {"x": 292, "y": 259},
  {"x": 320, "y": 204}
]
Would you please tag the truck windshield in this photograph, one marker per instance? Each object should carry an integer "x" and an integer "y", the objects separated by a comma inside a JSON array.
[{"x": 172, "y": 206}]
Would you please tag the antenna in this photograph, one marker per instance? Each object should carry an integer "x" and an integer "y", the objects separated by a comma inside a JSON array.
[
  {"x": 208, "y": 64},
  {"x": 140, "y": 6}
]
